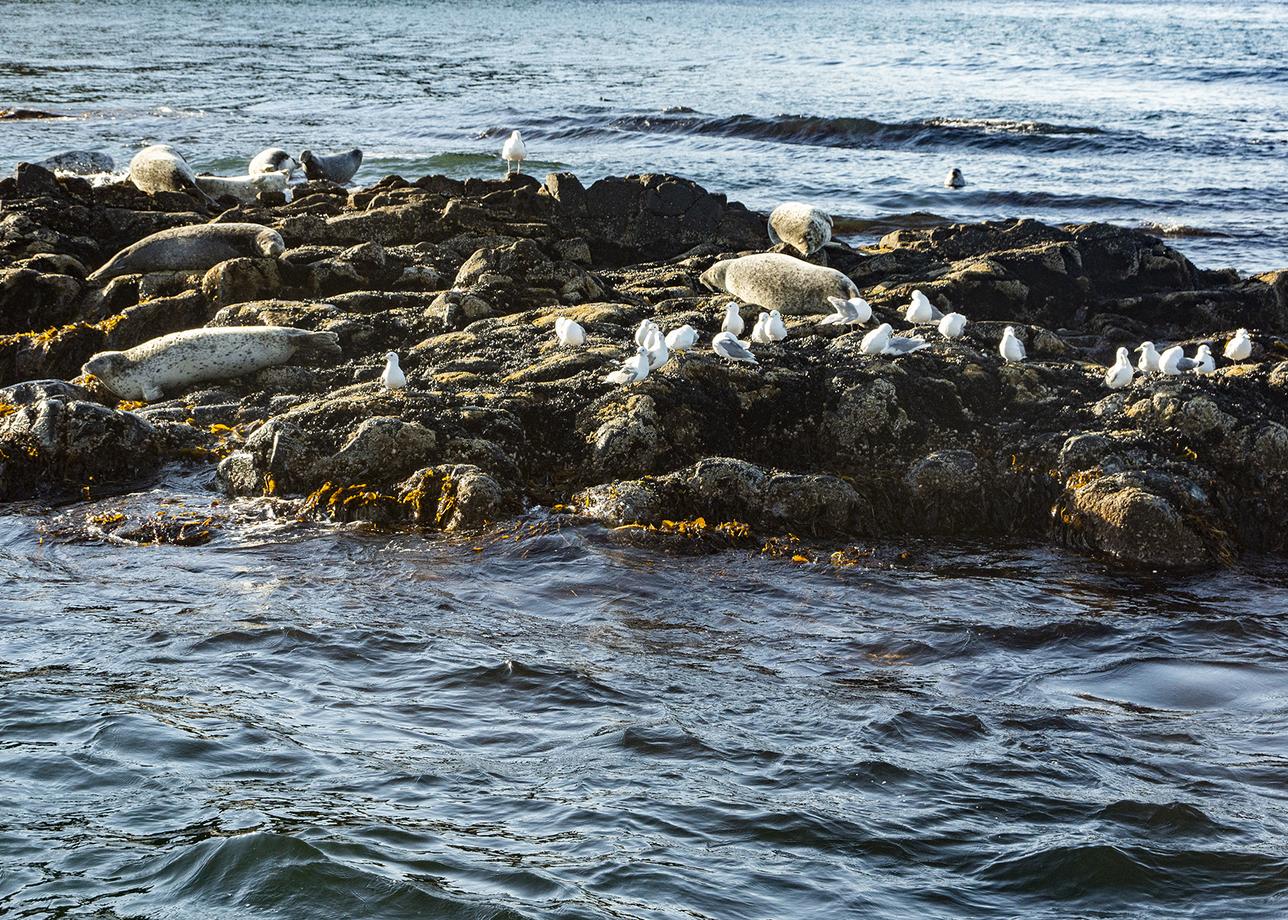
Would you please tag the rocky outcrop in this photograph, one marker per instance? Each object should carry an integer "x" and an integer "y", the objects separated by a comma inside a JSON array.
[{"x": 817, "y": 444}]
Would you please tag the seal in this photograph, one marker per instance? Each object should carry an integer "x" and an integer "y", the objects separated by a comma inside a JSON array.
[
  {"x": 79, "y": 163},
  {"x": 159, "y": 168},
  {"x": 274, "y": 159},
  {"x": 174, "y": 361},
  {"x": 245, "y": 189},
  {"x": 954, "y": 179},
  {"x": 803, "y": 227},
  {"x": 334, "y": 167},
  {"x": 192, "y": 249},
  {"x": 779, "y": 282}
]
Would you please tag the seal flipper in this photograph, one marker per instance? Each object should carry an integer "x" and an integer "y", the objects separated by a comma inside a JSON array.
[{"x": 152, "y": 392}]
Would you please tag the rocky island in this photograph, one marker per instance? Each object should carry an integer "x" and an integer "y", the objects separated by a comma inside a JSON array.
[{"x": 815, "y": 447}]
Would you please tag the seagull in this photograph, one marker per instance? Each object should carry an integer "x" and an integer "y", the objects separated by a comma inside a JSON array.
[
  {"x": 658, "y": 353},
  {"x": 880, "y": 341},
  {"x": 1011, "y": 348},
  {"x": 954, "y": 179},
  {"x": 733, "y": 323},
  {"x": 952, "y": 325},
  {"x": 682, "y": 339},
  {"x": 875, "y": 342},
  {"x": 1148, "y": 363},
  {"x": 776, "y": 328},
  {"x": 1239, "y": 347},
  {"x": 727, "y": 346},
  {"x": 634, "y": 368},
  {"x": 393, "y": 378},
  {"x": 1173, "y": 361},
  {"x": 1121, "y": 373},
  {"x": 514, "y": 152},
  {"x": 921, "y": 310},
  {"x": 568, "y": 332},
  {"x": 1204, "y": 363},
  {"x": 760, "y": 332},
  {"x": 642, "y": 330},
  {"x": 854, "y": 310}
]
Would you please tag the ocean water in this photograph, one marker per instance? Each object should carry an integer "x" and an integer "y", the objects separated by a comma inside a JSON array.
[
  {"x": 1164, "y": 114},
  {"x": 299, "y": 721}
]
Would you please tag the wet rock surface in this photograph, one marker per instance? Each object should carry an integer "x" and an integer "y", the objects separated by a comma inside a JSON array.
[{"x": 819, "y": 441}]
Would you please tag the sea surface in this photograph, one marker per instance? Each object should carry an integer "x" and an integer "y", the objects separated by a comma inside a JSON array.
[
  {"x": 300, "y": 721},
  {"x": 309, "y": 722},
  {"x": 1163, "y": 114}
]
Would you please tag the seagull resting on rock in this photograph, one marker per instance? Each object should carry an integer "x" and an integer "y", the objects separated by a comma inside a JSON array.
[
  {"x": 1011, "y": 348},
  {"x": 682, "y": 339},
  {"x": 848, "y": 312},
  {"x": 569, "y": 333},
  {"x": 921, "y": 310},
  {"x": 1121, "y": 373},
  {"x": 733, "y": 323},
  {"x": 514, "y": 152},
  {"x": 952, "y": 326},
  {"x": 633, "y": 370},
  {"x": 1148, "y": 363},
  {"x": 1239, "y": 347},
  {"x": 393, "y": 377},
  {"x": 727, "y": 346}
]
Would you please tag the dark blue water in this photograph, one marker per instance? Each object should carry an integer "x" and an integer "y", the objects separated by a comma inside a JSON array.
[
  {"x": 299, "y": 722},
  {"x": 1167, "y": 115}
]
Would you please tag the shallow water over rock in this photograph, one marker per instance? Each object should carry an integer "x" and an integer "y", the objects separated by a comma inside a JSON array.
[{"x": 302, "y": 721}]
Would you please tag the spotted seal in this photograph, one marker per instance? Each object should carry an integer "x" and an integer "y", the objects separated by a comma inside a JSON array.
[
  {"x": 779, "y": 282},
  {"x": 274, "y": 159},
  {"x": 334, "y": 167},
  {"x": 160, "y": 168},
  {"x": 803, "y": 227},
  {"x": 245, "y": 189},
  {"x": 174, "y": 361},
  {"x": 192, "y": 249}
]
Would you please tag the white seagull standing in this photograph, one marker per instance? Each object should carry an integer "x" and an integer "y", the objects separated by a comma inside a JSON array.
[
  {"x": 1148, "y": 363},
  {"x": 921, "y": 310},
  {"x": 1121, "y": 372},
  {"x": 393, "y": 378},
  {"x": 514, "y": 152},
  {"x": 727, "y": 346},
  {"x": 952, "y": 325},
  {"x": 634, "y": 368},
  {"x": 1204, "y": 363},
  {"x": 569, "y": 333},
  {"x": 642, "y": 330},
  {"x": 776, "y": 328},
  {"x": 1173, "y": 361},
  {"x": 848, "y": 312},
  {"x": 1239, "y": 347},
  {"x": 733, "y": 323},
  {"x": 760, "y": 332},
  {"x": 682, "y": 339},
  {"x": 1011, "y": 348},
  {"x": 658, "y": 353}
]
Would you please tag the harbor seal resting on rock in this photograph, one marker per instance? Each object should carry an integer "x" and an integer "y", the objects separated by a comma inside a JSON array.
[
  {"x": 245, "y": 189},
  {"x": 780, "y": 282},
  {"x": 159, "y": 168},
  {"x": 274, "y": 159},
  {"x": 192, "y": 249},
  {"x": 79, "y": 163},
  {"x": 174, "y": 361},
  {"x": 334, "y": 167},
  {"x": 803, "y": 227}
]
